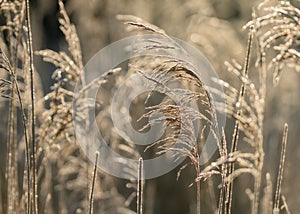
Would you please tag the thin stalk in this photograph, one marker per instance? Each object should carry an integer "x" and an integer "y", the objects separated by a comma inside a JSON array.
[
  {"x": 24, "y": 121},
  {"x": 25, "y": 198},
  {"x": 91, "y": 199},
  {"x": 267, "y": 199},
  {"x": 140, "y": 191},
  {"x": 257, "y": 182},
  {"x": 223, "y": 174},
  {"x": 287, "y": 209},
  {"x": 220, "y": 210},
  {"x": 27, "y": 151},
  {"x": 235, "y": 138},
  {"x": 1, "y": 200},
  {"x": 198, "y": 187},
  {"x": 198, "y": 195},
  {"x": 33, "y": 143},
  {"x": 260, "y": 115},
  {"x": 280, "y": 170}
]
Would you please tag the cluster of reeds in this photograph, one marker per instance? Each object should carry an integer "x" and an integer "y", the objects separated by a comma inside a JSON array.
[{"x": 45, "y": 169}]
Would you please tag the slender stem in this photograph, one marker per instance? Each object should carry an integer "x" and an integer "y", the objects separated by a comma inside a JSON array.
[
  {"x": 287, "y": 209},
  {"x": 91, "y": 199},
  {"x": 198, "y": 188},
  {"x": 1, "y": 200},
  {"x": 260, "y": 115},
  {"x": 235, "y": 138},
  {"x": 24, "y": 121},
  {"x": 223, "y": 190},
  {"x": 198, "y": 197},
  {"x": 220, "y": 210},
  {"x": 140, "y": 187},
  {"x": 33, "y": 143},
  {"x": 267, "y": 200},
  {"x": 280, "y": 170}
]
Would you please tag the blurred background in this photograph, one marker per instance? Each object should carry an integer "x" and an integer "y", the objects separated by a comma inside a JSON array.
[{"x": 215, "y": 28}]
